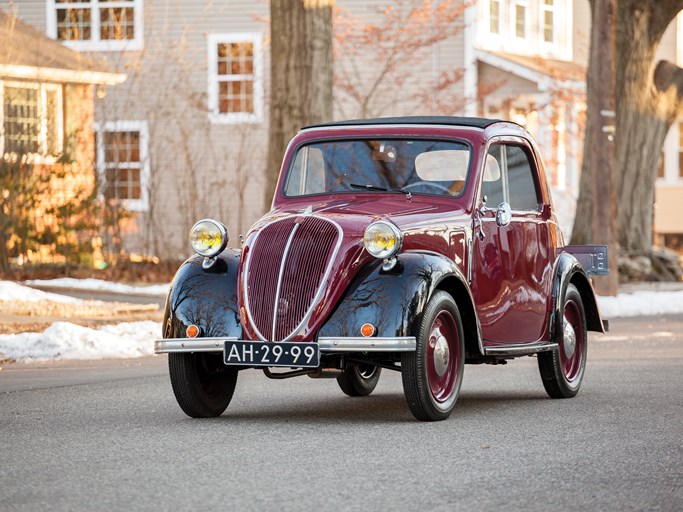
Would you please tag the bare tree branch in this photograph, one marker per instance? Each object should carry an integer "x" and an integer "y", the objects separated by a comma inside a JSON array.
[
  {"x": 663, "y": 13},
  {"x": 668, "y": 79}
]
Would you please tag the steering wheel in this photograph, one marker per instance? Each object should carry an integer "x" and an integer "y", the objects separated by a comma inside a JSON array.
[{"x": 432, "y": 184}]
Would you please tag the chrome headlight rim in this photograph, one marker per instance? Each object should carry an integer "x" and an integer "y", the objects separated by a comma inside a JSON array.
[
  {"x": 223, "y": 231},
  {"x": 395, "y": 231}
]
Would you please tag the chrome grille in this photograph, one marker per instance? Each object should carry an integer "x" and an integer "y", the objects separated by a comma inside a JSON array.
[{"x": 287, "y": 263}]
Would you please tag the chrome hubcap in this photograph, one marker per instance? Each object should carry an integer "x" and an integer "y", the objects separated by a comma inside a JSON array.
[
  {"x": 366, "y": 371},
  {"x": 569, "y": 342},
  {"x": 441, "y": 354}
]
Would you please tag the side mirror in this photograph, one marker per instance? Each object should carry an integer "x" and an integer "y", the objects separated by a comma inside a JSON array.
[
  {"x": 503, "y": 215},
  {"x": 546, "y": 211}
]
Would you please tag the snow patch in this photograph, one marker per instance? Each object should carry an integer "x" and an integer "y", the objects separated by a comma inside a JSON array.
[
  {"x": 101, "y": 285},
  {"x": 64, "y": 340},
  {"x": 641, "y": 303},
  {"x": 10, "y": 291}
]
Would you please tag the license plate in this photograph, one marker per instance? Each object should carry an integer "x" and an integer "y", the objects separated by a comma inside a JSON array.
[{"x": 254, "y": 353}]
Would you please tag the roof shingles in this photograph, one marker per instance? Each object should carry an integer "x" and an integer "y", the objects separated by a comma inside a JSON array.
[{"x": 27, "y": 47}]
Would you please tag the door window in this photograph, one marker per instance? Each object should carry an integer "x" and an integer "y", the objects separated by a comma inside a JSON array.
[{"x": 508, "y": 176}]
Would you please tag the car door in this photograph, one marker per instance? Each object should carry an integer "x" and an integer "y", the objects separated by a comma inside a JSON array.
[{"x": 510, "y": 256}]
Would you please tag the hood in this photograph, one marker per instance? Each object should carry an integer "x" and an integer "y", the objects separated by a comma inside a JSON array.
[{"x": 299, "y": 260}]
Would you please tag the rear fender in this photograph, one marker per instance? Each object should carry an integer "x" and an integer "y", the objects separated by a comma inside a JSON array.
[
  {"x": 393, "y": 301},
  {"x": 569, "y": 270},
  {"x": 206, "y": 298}
]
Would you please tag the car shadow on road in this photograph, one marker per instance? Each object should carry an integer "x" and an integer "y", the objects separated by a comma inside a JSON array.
[
  {"x": 375, "y": 409},
  {"x": 378, "y": 408},
  {"x": 471, "y": 402}
]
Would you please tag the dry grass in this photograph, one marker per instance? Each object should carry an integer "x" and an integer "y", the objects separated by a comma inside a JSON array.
[
  {"x": 85, "y": 310},
  {"x": 17, "y": 316}
]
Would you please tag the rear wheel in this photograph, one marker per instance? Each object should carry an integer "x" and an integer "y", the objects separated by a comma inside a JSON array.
[
  {"x": 432, "y": 375},
  {"x": 202, "y": 384},
  {"x": 359, "y": 379},
  {"x": 562, "y": 370}
]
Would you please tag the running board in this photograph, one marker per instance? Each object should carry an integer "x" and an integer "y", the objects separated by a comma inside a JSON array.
[{"x": 527, "y": 349}]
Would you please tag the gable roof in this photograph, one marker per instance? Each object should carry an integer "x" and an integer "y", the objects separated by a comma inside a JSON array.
[
  {"x": 27, "y": 53},
  {"x": 474, "y": 122}
]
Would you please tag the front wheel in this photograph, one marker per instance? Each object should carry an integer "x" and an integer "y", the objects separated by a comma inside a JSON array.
[
  {"x": 432, "y": 375},
  {"x": 202, "y": 384},
  {"x": 562, "y": 370},
  {"x": 359, "y": 379}
]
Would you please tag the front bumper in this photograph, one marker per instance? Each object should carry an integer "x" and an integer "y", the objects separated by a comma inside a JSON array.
[{"x": 327, "y": 345}]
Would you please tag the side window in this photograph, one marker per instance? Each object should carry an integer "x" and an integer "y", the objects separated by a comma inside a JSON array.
[
  {"x": 307, "y": 175},
  {"x": 492, "y": 186},
  {"x": 508, "y": 177},
  {"x": 522, "y": 189}
]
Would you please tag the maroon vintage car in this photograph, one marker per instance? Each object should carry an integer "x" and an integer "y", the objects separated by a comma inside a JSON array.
[{"x": 407, "y": 244}]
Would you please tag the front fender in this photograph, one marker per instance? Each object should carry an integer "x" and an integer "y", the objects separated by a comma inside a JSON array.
[
  {"x": 569, "y": 270},
  {"x": 393, "y": 301},
  {"x": 206, "y": 298}
]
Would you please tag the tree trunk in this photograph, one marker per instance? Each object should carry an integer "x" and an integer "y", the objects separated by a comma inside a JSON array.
[
  {"x": 4, "y": 256},
  {"x": 640, "y": 132},
  {"x": 647, "y": 103},
  {"x": 301, "y": 75},
  {"x": 597, "y": 219}
]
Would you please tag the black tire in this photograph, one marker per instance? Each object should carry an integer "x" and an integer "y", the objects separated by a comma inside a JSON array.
[
  {"x": 359, "y": 379},
  {"x": 202, "y": 384},
  {"x": 432, "y": 375},
  {"x": 562, "y": 370}
]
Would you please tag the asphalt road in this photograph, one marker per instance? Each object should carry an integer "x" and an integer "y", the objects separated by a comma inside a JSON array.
[{"x": 109, "y": 436}]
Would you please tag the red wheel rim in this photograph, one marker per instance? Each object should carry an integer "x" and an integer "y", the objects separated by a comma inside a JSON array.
[
  {"x": 573, "y": 346},
  {"x": 443, "y": 356}
]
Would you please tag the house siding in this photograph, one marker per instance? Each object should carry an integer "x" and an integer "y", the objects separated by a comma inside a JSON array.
[
  {"x": 581, "y": 32},
  {"x": 32, "y": 12},
  {"x": 416, "y": 77}
]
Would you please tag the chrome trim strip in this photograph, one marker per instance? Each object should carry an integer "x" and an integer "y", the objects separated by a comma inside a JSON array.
[
  {"x": 175, "y": 345},
  {"x": 360, "y": 344},
  {"x": 470, "y": 255},
  {"x": 327, "y": 344},
  {"x": 521, "y": 350},
  {"x": 279, "y": 277}
]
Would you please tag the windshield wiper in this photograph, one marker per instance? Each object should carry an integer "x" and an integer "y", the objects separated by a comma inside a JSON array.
[{"x": 381, "y": 189}]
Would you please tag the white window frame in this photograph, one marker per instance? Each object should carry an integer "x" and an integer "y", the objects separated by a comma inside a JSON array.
[
  {"x": 215, "y": 116},
  {"x": 561, "y": 45},
  {"x": 501, "y": 8},
  {"x": 533, "y": 44},
  {"x": 513, "y": 19},
  {"x": 95, "y": 43},
  {"x": 134, "y": 205},
  {"x": 543, "y": 9},
  {"x": 41, "y": 157}
]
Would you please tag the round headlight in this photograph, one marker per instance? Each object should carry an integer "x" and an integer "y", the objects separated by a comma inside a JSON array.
[
  {"x": 382, "y": 239},
  {"x": 208, "y": 237}
]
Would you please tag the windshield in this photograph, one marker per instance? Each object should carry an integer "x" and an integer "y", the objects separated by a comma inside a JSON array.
[{"x": 413, "y": 166}]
